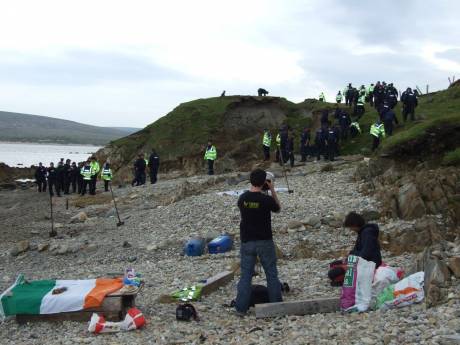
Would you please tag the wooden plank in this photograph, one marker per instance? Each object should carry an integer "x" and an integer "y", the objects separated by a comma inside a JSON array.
[
  {"x": 305, "y": 307},
  {"x": 215, "y": 282},
  {"x": 210, "y": 285}
]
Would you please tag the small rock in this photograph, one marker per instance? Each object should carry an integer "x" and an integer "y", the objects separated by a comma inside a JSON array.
[
  {"x": 454, "y": 265},
  {"x": 126, "y": 244},
  {"x": 43, "y": 246},
  {"x": 91, "y": 248},
  {"x": 62, "y": 249},
  {"x": 20, "y": 247},
  {"x": 294, "y": 224},
  {"x": 81, "y": 217},
  {"x": 312, "y": 220},
  {"x": 152, "y": 247},
  {"x": 132, "y": 258}
]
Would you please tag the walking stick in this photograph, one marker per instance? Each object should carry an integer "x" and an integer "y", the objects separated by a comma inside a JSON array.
[
  {"x": 53, "y": 232},
  {"x": 120, "y": 223},
  {"x": 290, "y": 191}
]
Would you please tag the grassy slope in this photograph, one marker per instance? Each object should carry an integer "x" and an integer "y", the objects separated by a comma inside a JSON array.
[
  {"x": 186, "y": 128},
  {"x": 441, "y": 109}
]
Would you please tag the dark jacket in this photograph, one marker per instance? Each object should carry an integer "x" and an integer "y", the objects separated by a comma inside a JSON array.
[
  {"x": 40, "y": 173},
  {"x": 409, "y": 99},
  {"x": 344, "y": 120},
  {"x": 154, "y": 161},
  {"x": 140, "y": 165},
  {"x": 52, "y": 174},
  {"x": 367, "y": 244},
  {"x": 305, "y": 138},
  {"x": 389, "y": 116}
]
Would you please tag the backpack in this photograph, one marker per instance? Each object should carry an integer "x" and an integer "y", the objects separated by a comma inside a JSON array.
[
  {"x": 336, "y": 274},
  {"x": 186, "y": 312}
]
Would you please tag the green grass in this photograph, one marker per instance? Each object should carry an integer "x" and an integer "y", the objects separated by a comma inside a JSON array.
[
  {"x": 452, "y": 157},
  {"x": 185, "y": 130},
  {"x": 435, "y": 111}
]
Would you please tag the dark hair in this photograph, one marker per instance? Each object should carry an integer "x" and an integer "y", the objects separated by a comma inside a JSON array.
[
  {"x": 258, "y": 177},
  {"x": 354, "y": 219}
]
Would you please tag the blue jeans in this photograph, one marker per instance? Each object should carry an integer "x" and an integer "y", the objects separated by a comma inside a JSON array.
[{"x": 265, "y": 250}]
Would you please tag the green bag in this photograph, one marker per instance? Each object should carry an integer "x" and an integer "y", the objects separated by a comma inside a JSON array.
[{"x": 187, "y": 294}]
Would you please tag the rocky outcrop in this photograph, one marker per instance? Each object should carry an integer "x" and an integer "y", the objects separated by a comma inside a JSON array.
[
  {"x": 436, "y": 262},
  {"x": 411, "y": 236},
  {"x": 410, "y": 192}
]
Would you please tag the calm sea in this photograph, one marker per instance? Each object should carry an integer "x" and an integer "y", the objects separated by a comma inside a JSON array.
[{"x": 27, "y": 154}]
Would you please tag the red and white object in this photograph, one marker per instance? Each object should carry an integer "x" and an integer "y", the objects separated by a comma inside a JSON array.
[{"x": 134, "y": 319}]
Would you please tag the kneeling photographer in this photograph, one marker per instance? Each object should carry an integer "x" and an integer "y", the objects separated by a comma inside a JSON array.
[{"x": 257, "y": 239}]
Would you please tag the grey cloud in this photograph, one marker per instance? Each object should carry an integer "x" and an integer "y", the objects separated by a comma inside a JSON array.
[
  {"x": 83, "y": 67},
  {"x": 451, "y": 54}
]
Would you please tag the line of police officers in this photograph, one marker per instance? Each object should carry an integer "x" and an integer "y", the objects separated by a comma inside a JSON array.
[{"x": 69, "y": 178}]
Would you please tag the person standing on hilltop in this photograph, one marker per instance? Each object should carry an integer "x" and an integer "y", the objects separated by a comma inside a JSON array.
[
  {"x": 338, "y": 98},
  {"x": 154, "y": 165},
  {"x": 52, "y": 173},
  {"x": 321, "y": 97},
  {"x": 40, "y": 177},
  {"x": 95, "y": 168},
  {"x": 410, "y": 102},
  {"x": 257, "y": 239},
  {"x": 266, "y": 143},
  {"x": 349, "y": 95},
  {"x": 210, "y": 156}
]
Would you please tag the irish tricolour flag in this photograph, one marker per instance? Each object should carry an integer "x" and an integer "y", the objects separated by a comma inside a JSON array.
[{"x": 55, "y": 296}]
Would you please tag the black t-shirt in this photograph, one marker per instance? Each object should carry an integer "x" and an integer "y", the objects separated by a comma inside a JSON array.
[{"x": 256, "y": 220}]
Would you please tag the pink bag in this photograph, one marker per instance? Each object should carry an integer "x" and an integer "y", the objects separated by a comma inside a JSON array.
[{"x": 357, "y": 285}]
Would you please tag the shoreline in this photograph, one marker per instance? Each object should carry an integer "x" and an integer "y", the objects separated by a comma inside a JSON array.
[{"x": 50, "y": 143}]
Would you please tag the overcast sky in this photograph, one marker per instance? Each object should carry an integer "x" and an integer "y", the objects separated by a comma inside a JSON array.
[{"x": 127, "y": 63}]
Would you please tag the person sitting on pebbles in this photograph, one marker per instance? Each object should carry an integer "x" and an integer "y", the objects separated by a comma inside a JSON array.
[{"x": 367, "y": 246}]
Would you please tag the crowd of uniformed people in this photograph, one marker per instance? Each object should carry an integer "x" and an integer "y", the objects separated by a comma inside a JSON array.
[
  {"x": 69, "y": 177},
  {"x": 343, "y": 123}
]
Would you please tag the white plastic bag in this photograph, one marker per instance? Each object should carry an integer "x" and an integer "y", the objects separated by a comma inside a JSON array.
[
  {"x": 357, "y": 284},
  {"x": 383, "y": 277},
  {"x": 403, "y": 293}
]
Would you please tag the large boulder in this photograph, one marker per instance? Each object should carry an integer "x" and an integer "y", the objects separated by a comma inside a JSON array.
[
  {"x": 454, "y": 265},
  {"x": 437, "y": 275},
  {"x": 410, "y": 203},
  {"x": 400, "y": 237},
  {"x": 20, "y": 247}
]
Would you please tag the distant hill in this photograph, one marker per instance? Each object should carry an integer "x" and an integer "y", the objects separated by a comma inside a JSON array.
[{"x": 35, "y": 128}]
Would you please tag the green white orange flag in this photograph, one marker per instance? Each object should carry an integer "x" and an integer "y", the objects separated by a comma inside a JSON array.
[{"x": 37, "y": 297}]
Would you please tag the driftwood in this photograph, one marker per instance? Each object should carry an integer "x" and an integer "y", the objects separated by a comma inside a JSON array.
[{"x": 306, "y": 307}]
